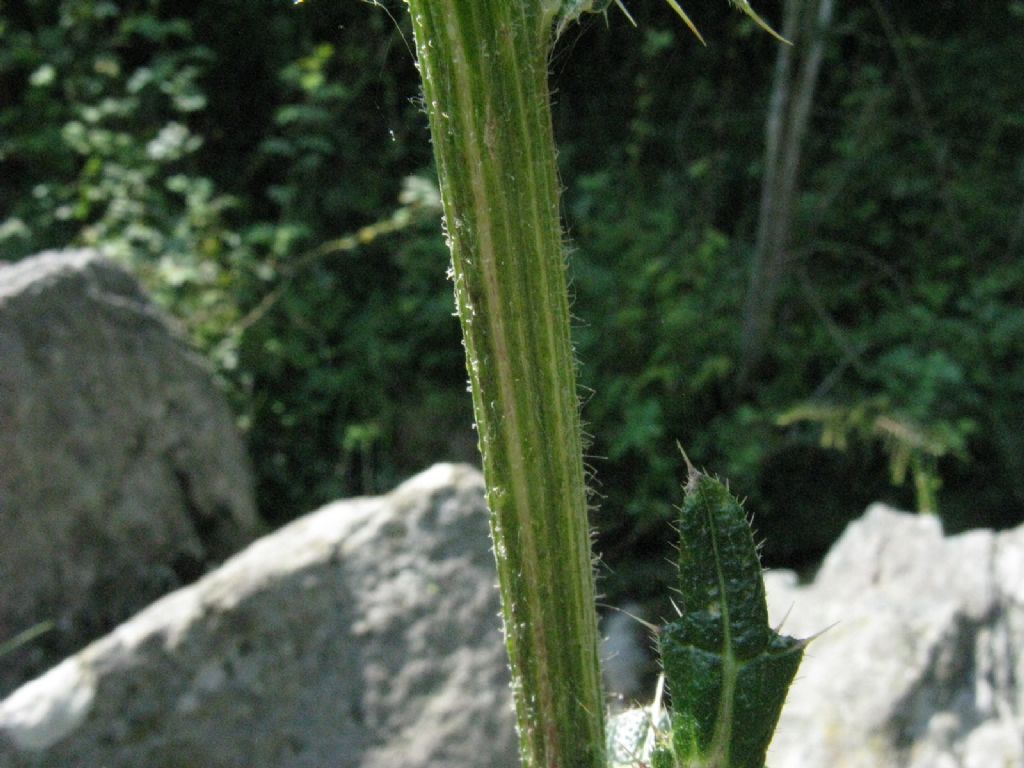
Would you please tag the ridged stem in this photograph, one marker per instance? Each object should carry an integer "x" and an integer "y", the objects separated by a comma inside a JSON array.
[{"x": 484, "y": 70}]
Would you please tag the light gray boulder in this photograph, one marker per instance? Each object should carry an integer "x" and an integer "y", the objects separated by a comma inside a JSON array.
[
  {"x": 364, "y": 634},
  {"x": 122, "y": 475},
  {"x": 920, "y": 663}
]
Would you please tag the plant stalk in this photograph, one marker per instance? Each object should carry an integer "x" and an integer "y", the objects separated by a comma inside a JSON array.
[{"x": 484, "y": 69}]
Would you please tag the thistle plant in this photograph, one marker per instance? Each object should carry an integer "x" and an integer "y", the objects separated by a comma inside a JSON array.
[
  {"x": 727, "y": 669},
  {"x": 483, "y": 64}
]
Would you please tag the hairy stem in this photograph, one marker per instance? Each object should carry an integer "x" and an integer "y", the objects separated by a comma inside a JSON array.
[{"x": 484, "y": 70}]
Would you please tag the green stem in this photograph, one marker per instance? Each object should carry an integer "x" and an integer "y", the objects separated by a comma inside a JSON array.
[{"x": 484, "y": 70}]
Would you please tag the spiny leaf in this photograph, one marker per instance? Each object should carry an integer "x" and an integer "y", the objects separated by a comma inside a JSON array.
[
  {"x": 625, "y": 12},
  {"x": 728, "y": 671},
  {"x": 686, "y": 19},
  {"x": 571, "y": 10},
  {"x": 744, "y": 5}
]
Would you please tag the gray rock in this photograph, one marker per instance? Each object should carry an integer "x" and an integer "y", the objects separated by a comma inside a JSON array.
[
  {"x": 122, "y": 475},
  {"x": 364, "y": 634},
  {"x": 920, "y": 664}
]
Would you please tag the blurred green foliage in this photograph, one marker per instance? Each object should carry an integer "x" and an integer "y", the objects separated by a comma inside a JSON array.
[{"x": 245, "y": 159}]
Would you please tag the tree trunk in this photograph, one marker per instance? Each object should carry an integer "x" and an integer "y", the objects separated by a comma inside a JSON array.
[{"x": 806, "y": 23}]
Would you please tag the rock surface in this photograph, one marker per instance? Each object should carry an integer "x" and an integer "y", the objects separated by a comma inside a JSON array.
[
  {"x": 921, "y": 662},
  {"x": 122, "y": 475},
  {"x": 364, "y": 634}
]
